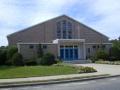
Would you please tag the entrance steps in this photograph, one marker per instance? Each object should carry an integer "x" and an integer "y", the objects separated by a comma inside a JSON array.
[{"x": 78, "y": 61}]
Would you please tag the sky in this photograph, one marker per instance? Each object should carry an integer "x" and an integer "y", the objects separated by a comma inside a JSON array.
[{"x": 101, "y": 15}]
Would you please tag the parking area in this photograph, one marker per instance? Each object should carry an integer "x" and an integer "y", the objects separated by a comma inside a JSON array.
[{"x": 104, "y": 68}]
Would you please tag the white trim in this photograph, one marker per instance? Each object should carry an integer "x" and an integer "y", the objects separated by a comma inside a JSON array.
[
  {"x": 98, "y": 43},
  {"x": 34, "y": 43},
  {"x": 56, "y": 41},
  {"x": 84, "y": 50},
  {"x": 58, "y": 50}
]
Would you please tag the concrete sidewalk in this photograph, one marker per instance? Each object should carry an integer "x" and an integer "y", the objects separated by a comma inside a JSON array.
[
  {"x": 104, "y": 68},
  {"x": 48, "y": 78}
]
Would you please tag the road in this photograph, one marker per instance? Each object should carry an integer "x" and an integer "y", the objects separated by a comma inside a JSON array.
[{"x": 100, "y": 84}]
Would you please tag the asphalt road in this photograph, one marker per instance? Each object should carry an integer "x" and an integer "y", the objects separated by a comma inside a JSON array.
[{"x": 100, "y": 84}]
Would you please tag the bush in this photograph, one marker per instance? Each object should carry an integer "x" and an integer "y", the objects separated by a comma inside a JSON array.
[
  {"x": 11, "y": 51},
  {"x": 3, "y": 56},
  {"x": 17, "y": 60},
  {"x": 47, "y": 59},
  {"x": 101, "y": 54},
  {"x": 93, "y": 59},
  {"x": 114, "y": 54},
  {"x": 31, "y": 62},
  {"x": 86, "y": 69}
]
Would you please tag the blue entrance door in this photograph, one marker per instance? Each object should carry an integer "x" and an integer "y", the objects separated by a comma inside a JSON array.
[{"x": 69, "y": 53}]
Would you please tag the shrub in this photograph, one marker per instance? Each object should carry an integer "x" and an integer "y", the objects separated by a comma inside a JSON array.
[
  {"x": 93, "y": 59},
  {"x": 11, "y": 51},
  {"x": 31, "y": 62},
  {"x": 101, "y": 54},
  {"x": 17, "y": 60},
  {"x": 86, "y": 69},
  {"x": 114, "y": 54},
  {"x": 47, "y": 59},
  {"x": 3, "y": 57}
]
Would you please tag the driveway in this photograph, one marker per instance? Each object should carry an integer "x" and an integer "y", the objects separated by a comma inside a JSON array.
[{"x": 104, "y": 68}]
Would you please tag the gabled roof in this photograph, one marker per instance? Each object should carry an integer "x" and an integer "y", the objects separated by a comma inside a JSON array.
[
  {"x": 26, "y": 29},
  {"x": 85, "y": 25}
]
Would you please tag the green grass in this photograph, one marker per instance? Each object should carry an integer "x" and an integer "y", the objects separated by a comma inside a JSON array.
[{"x": 34, "y": 71}]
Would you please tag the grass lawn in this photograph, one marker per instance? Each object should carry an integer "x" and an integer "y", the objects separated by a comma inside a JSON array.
[{"x": 34, "y": 71}]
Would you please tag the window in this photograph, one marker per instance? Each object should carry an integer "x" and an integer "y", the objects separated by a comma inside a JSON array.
[
  {"x": 44, "y": 46},
  {"x": 69, "y": 26},
  {"x": 103, "y": 46},
  {"x": 61, "y": 46},
  {"x": 94, "y": 47},
  {"x": 69, "y": 30},
  {"x": 64, "y": 29},
  {"x": 88, "y": 50},
  {"x": 64, "y": 25},
  {"x": 59, "y": 30},
  {"x": 98, "y": 46},
  {"x": 31, "y": 46}
]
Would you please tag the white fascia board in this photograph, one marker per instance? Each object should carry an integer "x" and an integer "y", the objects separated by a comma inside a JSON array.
[
  {"x": 99, "y": 43},
  {"x": 33, "y": 43},
  {"x": 68, "y": 40}
]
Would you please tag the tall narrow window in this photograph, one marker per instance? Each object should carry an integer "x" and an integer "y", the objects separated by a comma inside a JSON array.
[
  {"x": 64, "y": 29},
  {"x": 59, "y": 30}
]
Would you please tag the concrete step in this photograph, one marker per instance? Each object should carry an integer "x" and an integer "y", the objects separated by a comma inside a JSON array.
[{"x": 78, "y": 61}]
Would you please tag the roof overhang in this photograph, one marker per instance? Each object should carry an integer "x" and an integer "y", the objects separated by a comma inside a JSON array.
[{"x": 68, "y": 40}]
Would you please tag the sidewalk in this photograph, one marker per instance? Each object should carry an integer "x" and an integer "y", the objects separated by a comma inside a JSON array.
[{"x": 48, "y": 78}]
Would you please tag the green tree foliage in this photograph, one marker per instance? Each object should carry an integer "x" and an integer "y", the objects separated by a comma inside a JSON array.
[
  {"x": 3, "y": 56},
  {"x": 11, "y": 51},
  {"x": 17, "y": 60},
  {"x": 101, "y": 54},
  {"x": 115, "y": 50},
  {"x": 48, "y": 59}
]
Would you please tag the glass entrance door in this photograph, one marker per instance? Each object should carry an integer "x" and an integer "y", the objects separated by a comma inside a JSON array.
[{"x": 69, "y": 52}]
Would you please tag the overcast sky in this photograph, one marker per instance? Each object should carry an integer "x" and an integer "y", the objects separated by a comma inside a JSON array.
[{"x": 102, "y": 15}]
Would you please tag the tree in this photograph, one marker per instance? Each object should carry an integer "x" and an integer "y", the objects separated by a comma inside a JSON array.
[
  {"x": 115, "y": 50},
  {"x": 11, "y": 50},
  {"x": 17, "y": 60},
  {"x": 48, "y": 59},
  {"x": 101, "y": 54},
  {"x": 3, "y": 56}
]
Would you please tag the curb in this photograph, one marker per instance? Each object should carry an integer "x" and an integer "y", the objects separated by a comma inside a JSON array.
[{"x": 23, "y": 84}]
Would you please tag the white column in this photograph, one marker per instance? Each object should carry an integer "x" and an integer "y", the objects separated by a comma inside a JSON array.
[
  {"x": 58, "y": 50},
  {"x": 79, "y": 52},
  {"x": 64, "y": 51},
  {"x": 84, "y": 50},
  {"x": 73, "y": 52},
  {"x": 18, "y": 46}
]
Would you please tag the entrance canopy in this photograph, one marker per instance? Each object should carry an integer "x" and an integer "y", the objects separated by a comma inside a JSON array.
[
  {"x": 71, "y": 49},
  {"x": 57, "y": 41}
]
